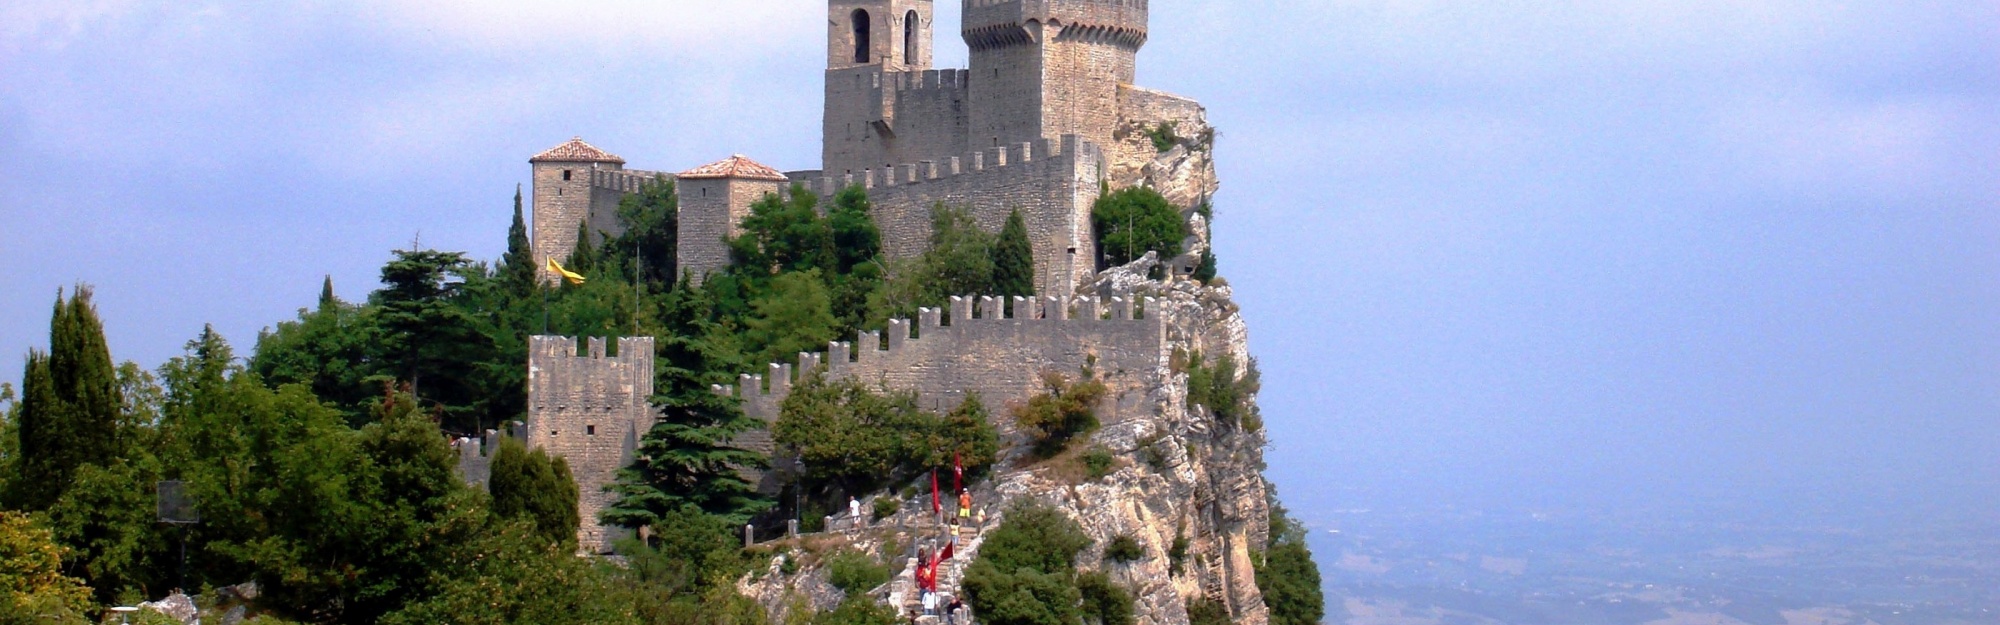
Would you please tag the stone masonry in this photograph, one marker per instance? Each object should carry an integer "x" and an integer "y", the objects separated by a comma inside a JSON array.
[
  {"x": 591, "y": 410},
  {"x": 1049, "y": 86}
]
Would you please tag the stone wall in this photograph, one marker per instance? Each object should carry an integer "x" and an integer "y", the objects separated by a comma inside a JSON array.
[
  {"x": 1052, "y": 183},
  {"x": 875, "y": 118},
  {"x": 993, "y": 349},
  {"x": 712, "y": 211},
  {"x": 591, "y": 410}
]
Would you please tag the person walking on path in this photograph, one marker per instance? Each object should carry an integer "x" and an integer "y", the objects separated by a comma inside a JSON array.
[
  {"x": 854, "y": 511},
  {"x": 964, "y": 506}
]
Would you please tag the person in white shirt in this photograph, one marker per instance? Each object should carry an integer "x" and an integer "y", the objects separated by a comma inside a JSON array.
[{"x": 854, "y": 511}]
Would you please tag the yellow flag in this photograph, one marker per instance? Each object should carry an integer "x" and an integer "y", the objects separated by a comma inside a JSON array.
[{"x": 571, "y": 276}]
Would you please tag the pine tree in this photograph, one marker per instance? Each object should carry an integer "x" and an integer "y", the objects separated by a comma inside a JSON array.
[
  {"x": 1014, "y": 259},
  {"x": 687, "y": 460},
  {"x": 517, "y": 266}
]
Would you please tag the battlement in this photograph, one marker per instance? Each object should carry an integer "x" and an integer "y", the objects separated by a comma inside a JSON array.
[
  {"x": 625, "y": 180},
  {"x": 997, "y": 347},
  {"x": 990, "y": 24},
  {"x": 590, "y": 407},
  {"x": 987, "y": 161}
]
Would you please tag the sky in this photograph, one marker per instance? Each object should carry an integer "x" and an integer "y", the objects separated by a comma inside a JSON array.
[{"x": 1554, "y": 253}]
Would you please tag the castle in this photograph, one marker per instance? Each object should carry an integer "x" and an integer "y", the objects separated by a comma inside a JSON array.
[
  {"x": 1036, "y": 124},
  {"x": 1042, "y": 122}
]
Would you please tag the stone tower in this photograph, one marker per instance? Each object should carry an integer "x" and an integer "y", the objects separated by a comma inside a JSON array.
[
  {"x": 714, "y": 199},
  {"x": 1041, "y": 69},
  {"x": 875, "y": 51},
  {"x": 591, "y": 411},
  {"x": 564, "y": 197}
]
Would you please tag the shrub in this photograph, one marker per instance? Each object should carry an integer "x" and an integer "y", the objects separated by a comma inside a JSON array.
[
  {"x": 1097, "y": 461},
  {"x": 857, "y": 611},
  {"x": 849, "y": 436},
  {"x": 1104, "y": 602},
  {"x": 1066, "y": 411},
  {"x": 1287, "y": 576},
  {"x": 1163, "y": 136},
  {"x": 1124, "y": 548},
  {"x": 855, "y": 573},
  {"x": 1153, "y": 453},
  {"x": 886, "y": 506},
  {"x": 1130, "y": 222},
  {"x": 1025, "y": 573},
  {"x": 1177, "y": 554},
  {"x": 1226, "y": 395},
  {"x": 1206, "y": 612}
]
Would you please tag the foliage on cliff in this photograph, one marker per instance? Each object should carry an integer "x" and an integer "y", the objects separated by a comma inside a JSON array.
[
  {"x": 855, "y": 440},
  {"x": 1132, "y": 221},
  {"x": 1287, "y": 575},
  {"x": 1026, "y": 574},
  {"x": 1065, "y": 411}
]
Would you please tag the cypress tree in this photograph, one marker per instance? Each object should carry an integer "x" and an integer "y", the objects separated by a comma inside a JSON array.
[
  {"x": 70, "y": 403},
  {"x": 326, "y": 298},
  {"x": 584, "y": 257},
  {"x": 36, "y": 470},
  {"x": 1014, "y": 259},
  {"x": 517, "y": 266}
]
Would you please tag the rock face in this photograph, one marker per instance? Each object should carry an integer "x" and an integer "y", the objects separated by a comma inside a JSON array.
[{"x": 1181, "y": 475}]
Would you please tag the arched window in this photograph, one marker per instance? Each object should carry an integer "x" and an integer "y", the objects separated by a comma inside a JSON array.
[
  {"x": 910, "y": 38},
  {"x": 861, "y": 36}
]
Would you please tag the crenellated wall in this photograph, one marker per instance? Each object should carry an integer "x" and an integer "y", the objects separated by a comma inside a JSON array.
[
  {"x": 875, "y": 117},
  {"x": 590, "y": 409},
  {"x": 989, "y": 347},
  {"x": 1052, "y": 183}
]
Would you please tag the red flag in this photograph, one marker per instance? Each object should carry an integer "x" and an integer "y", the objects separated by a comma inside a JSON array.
[
  {"x": 946, "y": 555},
  {"x": 957, "y": 473},
  {"x": 937, "y": 506}
]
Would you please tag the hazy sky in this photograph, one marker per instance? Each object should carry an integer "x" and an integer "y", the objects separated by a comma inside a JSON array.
[{"x": 1554, "y": 253}]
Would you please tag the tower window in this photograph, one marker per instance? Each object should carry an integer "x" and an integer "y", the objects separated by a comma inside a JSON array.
[
  {"x": 861, "y": 36},
  {"x": 565, "y": 175},
  {"x": 590, "y": 430},
  {"x": 910, "y": 38}
]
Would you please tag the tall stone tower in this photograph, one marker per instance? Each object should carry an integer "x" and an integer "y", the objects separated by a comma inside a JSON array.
[
  {"x": 564, "y": 197},
  {"x": 1045, "y": 68},
  {"x": 590, "y": 410},
  {"x": 877, "y": 55}
]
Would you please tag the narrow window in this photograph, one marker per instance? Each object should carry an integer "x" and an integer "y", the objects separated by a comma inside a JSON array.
[
  {"x": 565, "y": 175},
  {"x": 590, "y": 430},
  {"x": 910, "y": 38},
  {"x": 552, "y": 432},
  {"x": 860, "y": 36}
]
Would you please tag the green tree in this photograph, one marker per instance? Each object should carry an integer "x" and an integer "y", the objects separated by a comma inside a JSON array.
[
  {"x": 688, "y": 461},
  {"x": 33, "y": 588},
  {"x": 327, "y": 350},
  {"x": 1065, "y": 411},
  {"x": 583, "y": 258},
  {"x": 426, "y": 336},
  {"x": 538, "y": 488},
  {"x": 70, "y": 404},
  {"x": 1287, "y": 575},
  {"x": 781, "y": 235},
  {"x": 795, "y": 316},
  {"x": 514, "y": 576},
  {"x": 1014, "y": 259},
  {"x": 857, "y": 440},
  {"x": 1135, "y": 220},
  {"x": 517, "y": 266},
  {"x": 1025, "y": 573},
  {"x": 651, "y": 219}
]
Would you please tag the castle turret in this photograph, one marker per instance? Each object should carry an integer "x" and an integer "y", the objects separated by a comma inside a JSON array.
[
  {"x": 591, "y": 410},
  {"x": 1047, "y": 68},
  {"x": 714, "y": 199},
  {"x": 894, "y": 35},
  {"x": 883, "y": 104},
  {"x": 564, "y": 197}
]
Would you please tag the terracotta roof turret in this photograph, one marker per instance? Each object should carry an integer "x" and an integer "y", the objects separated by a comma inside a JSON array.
[
  {"x": 738, "y": 166},
  {"x": 576, "y": 151}
]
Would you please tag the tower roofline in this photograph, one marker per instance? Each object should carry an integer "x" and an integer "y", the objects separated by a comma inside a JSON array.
[{"x": 576, "y": 151}]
